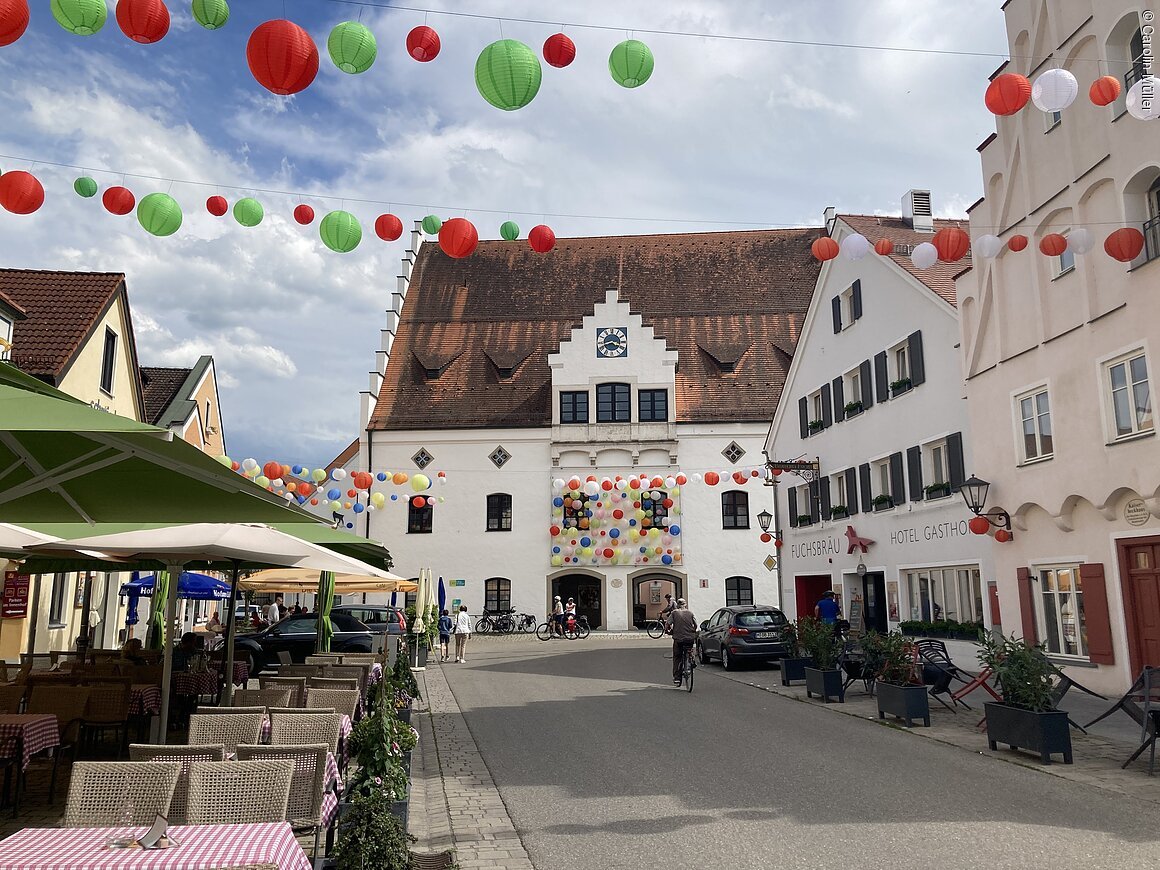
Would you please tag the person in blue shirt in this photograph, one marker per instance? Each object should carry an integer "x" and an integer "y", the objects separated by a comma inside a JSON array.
[
  {"x": 446, "y": 627},
  {"x": 827, "y": 609}
]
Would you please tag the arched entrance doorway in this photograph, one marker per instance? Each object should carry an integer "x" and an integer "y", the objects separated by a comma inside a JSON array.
[
  {"x": 587, "y": 590},
  {"x": 648, "y": 596}
]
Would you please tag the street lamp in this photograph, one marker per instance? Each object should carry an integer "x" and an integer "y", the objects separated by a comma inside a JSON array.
[
  {"x": 764, "y": 519},
  {"x": 974, "y": 492}
]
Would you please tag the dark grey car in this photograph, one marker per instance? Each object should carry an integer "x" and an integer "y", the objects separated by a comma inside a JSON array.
[
  {"x": 296, "y": 635},
  {"x": 742, "y": 632},
  {"x": 379, "y": 618}
]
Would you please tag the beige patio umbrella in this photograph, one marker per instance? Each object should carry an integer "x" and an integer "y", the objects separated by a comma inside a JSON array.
[{"x": 306, "y": 580}]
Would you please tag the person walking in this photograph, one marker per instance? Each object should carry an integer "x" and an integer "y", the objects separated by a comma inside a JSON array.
[
  {"x": 446, "y": 627},
  {"x": 462, "y": 633},
  {"x": 827, "y": 609}
]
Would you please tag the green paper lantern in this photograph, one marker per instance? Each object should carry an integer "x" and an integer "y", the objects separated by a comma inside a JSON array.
[
  {"x": 82, "y": 17},
  {"x": 508, "y": 74},
  {"x": 159, "y": 214},
  {"x": 352, "y": 47},
  {"x": 248, "y": 212},
  {"x": 85, "y": 186},
  {"x": 211, "y": 14},
  {"x": 340, "y": 231},
  {"x": 510, "y": 230},
  {"x": 631, "y": 63},
  {"x": 432, "y": 224}
]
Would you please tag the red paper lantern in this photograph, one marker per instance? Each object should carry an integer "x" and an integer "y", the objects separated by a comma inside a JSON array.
[
  {"x": 13, "y": 20},
  {"x": 388, "y": 227},
  {"x": 20, "y": 192},
  {"x": 606, "y": 485},
  {"x": 217, "y": 205},
  {"x": 419, "y": 502},
  {"x": 712, "y": 478},
  {"x": 554, "y": 530},
  {"x": 118, "y": 200},
  {"x": 144, "y": 21},
  {"x": 1017, "y": 243},
  {"x": 361, "y": 479},
  {"x": 1003, "y": 536},
  {"x": 609, "y": 552},
  {"x": 282, "y": 57},
  {"x": 766, "y": 537},
  {"x": 1053, "y": 244},
  {"x": 777, "y": 543},
  {"x": 1104, "y": 90},
  {"x": 542, "y": 239},
  {"x": 272, "y": 470},
  {"x": 559, "y": 50},
  {"x": 423, "y": 44},
  {"x": 458, "y": 238},
  {"x": 979, "y": 525},
  {"x": 305, "y": 489},
  {"x": 682, "y": 480},
  {"x": 1008, "y": 93},
  {"x": 352, "y": 493},
  {"x": 304, "y": 214},
  {"x": 952, "y": 244},
  {"x": 657, "y": 482},
  {"x": 884, "y": 247},
  {"x": 1125, "y": 244},
  {"x": 824, "y": 249}
]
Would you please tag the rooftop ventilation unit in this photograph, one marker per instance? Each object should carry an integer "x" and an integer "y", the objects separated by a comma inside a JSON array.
[{"x": 916, "y": 211}]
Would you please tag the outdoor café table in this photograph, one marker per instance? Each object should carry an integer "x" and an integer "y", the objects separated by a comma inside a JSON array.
[
  {"x": 144, "y": 700},
  {"x": 27, "y": 733},
  {"x": 198, "y": 847},
  {"x": 241, "y": 673},
  {"x": 189, "y": 683}
]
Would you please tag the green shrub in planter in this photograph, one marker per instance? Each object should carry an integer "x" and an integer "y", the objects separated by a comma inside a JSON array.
[
  {"x": 819, "y": 641},
  {"x": 371, "y": 836},
  {"x": 1024, "y": 673}
]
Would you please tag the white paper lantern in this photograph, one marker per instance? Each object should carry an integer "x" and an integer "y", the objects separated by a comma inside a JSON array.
[
  {"x": 670, "y": 482},
  {"x": 925, "y": 255},
  {"x": 592, "y": 488},
  {"x": 338, "y": 474},
  {"x": 855, "y": 246},
  {"x": 1080, "y": 240},
  {"x": 696, "y": 477},
  {"x": 1143, "y": 101},
  {"x": 988, "y": 246},
  {"x": 1054, "y": 91},
  {"x": 557, "y": 484},
  {"x": 249, "y": 463}
]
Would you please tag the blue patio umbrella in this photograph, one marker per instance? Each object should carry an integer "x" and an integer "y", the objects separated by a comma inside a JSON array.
[
  {"x": 442, "y": 595},
  {"x": 131, "y": 616},
  {"x": 191, "y": 585},
  {"x": 394, "y": 599}
]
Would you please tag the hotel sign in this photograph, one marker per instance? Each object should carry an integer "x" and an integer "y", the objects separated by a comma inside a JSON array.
[{"x": 836, "y": 544}]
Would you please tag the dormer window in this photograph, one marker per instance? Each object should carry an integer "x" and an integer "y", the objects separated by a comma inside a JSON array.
[
  {"x": 505, "y": 374},
  {"x": 432, "y": 374}
]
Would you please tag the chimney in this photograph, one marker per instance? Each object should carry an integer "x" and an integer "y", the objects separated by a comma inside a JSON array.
[{"x": 916, "y": 211}]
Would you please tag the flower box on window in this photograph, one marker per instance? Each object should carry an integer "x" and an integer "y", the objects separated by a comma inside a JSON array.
[
  {"x": 853, "y": 408},
  {"x": 839, "y": 512},
  {"x": 882, "y": 502},
  {"x": 804, "y": 520},
  {"x": 937, "y": 490},
  {"x": 816, "y": 426},
  {"x": 897, "y": 388}
]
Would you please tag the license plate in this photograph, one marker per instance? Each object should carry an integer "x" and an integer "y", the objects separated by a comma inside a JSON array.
[{"x": 765, "y": 635}]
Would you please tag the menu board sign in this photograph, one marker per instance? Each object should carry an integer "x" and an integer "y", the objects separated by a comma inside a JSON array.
[{"x": 14, "y": 601}]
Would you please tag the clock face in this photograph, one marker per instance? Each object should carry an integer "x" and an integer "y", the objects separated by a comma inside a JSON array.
[{"x": 611, "y": 342}]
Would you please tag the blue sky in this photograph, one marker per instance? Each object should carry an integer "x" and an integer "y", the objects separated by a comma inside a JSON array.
[{"x": 726, "y": 134}]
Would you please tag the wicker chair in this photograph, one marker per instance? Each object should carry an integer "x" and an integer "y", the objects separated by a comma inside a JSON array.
[
  {"x": 324, "y": 659},
  {"x": 229, "y": 729},
  {"x": 108, "y": 709},
  {"x": 307, "y": 789},
  {"x": 340, "y": 700},
  {"x": 35, "y": 661},
  {"x": 359, "y": 659},
  {"x": 351, "y": 672},
  {"x": 101, "y": 791},
  {"x": 275, "y": 697},
  {"x": 68, "y": 704},
  {"x": 239, "y": 792},
  {"x": 300, "y": 670},
  {"x": 332, "y": 683},
  {"x": 296, "y": 685},
  {"x": 305, "y": 728},
  {"x": 11, "y": 698},
  {"x": 225, "y": 711},
  {"x": 183, "y": 755}
]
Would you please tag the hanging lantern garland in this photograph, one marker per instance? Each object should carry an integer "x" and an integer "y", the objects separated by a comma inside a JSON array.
[
  {"x": 85, "y": 187},
  {"x": 952, "y": 244},
  {"x": 211, "y": 14},
  {"x": 423, "y": 44},
  {"x": 509, "y": 231},
  {"x": 458, "y": 238},
  {"x": 388, "y": 227},
  {"x": 13, "y": 20},
  {"x": 631, "y": 63},
  {"x": 304, "y": 214},
  {"x": 352, "y": 47},
  {"x": 432, "y": 224},
  {"x": 559, "y": 50},
  {"x": 248, "y": 212},
  {"x": 1053, "y": 245},
  {"x": 1141, "y": 100},
  {"x": 282, "y": 57},
  {"x": 143, "y": 21},
  {"x": 1017, "y": 242},
  {"x": 508, "y": 74},
  {"x": 1007, "y": 94},
  {"x": 118, "y": 200},
  {"x": 159, "y": 214},
  {"x": 217, "y": 205},
  {"x": 542, "y": 239},
  {"x": 824, "y": 249},
  {"x": 20, "y": 192},
  {"x": 1124, "y": 244},
  {"x": 884, "y": 247},
  {"x": 80, "y": 17},
  {"x": 1105, "y": 90},
  {"x": 340, "y": 231},
  {"x": 1054, "y": 90}
]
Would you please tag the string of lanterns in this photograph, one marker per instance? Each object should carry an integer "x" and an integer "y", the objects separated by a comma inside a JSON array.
[{"x": 1056, "y": 89}]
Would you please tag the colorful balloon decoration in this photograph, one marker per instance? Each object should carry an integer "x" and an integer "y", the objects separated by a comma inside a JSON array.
[
  {"x": 340, "y": 231},
  {"x": 432, "y": 224},
  {"x": 159, "y": 214},
  {"x": 248, "y": 212},
  {"x": 419, "y": 482},
  {"x": 458, "y": 238},
  {"x": 1105, "y": 90},
  {"x": 559, "y": 50},
  {"x": 1125, "y": 244},
  {"x": 82, "y": 17},
  {"x": 85, "y": 186},
  {"x": 304, "y": 214},
  {"x": 542, "y": 239},
  {"x": 988, "y": 246},
  {"x": 884, "y": 247},
  {"x": 118, "y": 200},
  {"x": 824, "y": 249},
  {"x": 1007, "y": 94},
  {"x": 282, "y": 57},
  {"x": 388, "y": 227},
  {"x": 1017, "y": 242},
  {"x": 13, "y": 20},
  {"x": 352, "y": 47},
  {"x": 952, "y": 244},
  {"x": 144, "y": 21},
  {"x": 509, "y": 231},
  {"x": 423, "y": 44},
  {"x": 1053, "y": 244},
  {"x": 217, "y": 205},
  {"x": 631, "y": 63},
  {"x": 211, "y": 14},
  {"x": 1054, "y": 90},
  {"x": 508, "y": 74},
  {"x": 20, "y": 192}
]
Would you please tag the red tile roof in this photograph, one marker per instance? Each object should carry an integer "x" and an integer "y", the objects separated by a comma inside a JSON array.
[
  {"x": 716, "y": 298},
  {"x": 941, "y": 277},
  {"x": 159, "y": 387}
]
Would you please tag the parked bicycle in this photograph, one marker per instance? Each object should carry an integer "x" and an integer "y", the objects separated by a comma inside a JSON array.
[
  {"x": 576, "y": 627},
  {"x": 499, "y": 621},
  {"x": 526, "y": 623}
]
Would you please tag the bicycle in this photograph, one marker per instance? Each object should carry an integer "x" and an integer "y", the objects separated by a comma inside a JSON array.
[
  {"x": 550, "y": 628},
  {"x": 576, "y": 627},
  {"x": 526, "y": 623},
  {"x": 687, "y": 668},
  {"x": 657, "y": 628}
]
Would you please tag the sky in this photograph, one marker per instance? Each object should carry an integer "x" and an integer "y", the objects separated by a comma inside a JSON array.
[{"x": 727, "y": 134}]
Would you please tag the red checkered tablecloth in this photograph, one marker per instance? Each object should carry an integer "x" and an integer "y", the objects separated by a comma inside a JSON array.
[
  {"x": 376, "y": 675},
  {"x": 241, "y": 673},
  {"x": 330, "y": 799},
  {"x": 145, "y": 700},
  {"x": 200, "y": 847},
  {"x": 186, "y": 683},
  {"x": 32, "y": 732}
]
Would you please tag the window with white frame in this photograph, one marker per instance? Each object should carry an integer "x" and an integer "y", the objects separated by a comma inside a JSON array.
[
  {"x": 838, "y": 495},
  {"x": 1065, "y": 262},
  {"x": 804, "y": 514},
  {"x": 5, "y": 336},
  {"x": 1129, "y": 394},
  {"x": 1033, "y": 409},
  {"x": 847, "y": 298},
  {"x": 1060, "y": 610},
  {"x": 1051, "y": 120},
  {"x": 954, "y": 593},
  {"x": 852, "y": 390},
  {"x": 935, "y": 473},
  {"x": 816, "y": 407},
  {"x": 899, "y": 358},
  {"x": 881, "y": 478}
]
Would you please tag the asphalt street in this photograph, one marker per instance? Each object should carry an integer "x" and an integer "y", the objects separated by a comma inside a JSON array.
[{"x": 603, "y": 764}]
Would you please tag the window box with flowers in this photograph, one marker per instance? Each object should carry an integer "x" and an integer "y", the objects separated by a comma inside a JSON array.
[
  {"x": 937, "y": 490},
  {"x": 897, "y": 388},
  {"x": 882, "y": 502},
  {"x": 854, "y": 408},
  {"x": 816, "y": 426},
  {"x": 839, "y": 512},
  {"x": 803, "y": 520}
]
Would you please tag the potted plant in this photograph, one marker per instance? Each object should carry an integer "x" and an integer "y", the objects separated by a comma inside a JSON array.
[
  {"x": 913, "y": 628},
  {"x": 937, "y": 490},
  {"x": 853, "y": 408},
  {"x": 1027, "y": 717},
  {"x": 898, "y": 687},
  {"x": 804, "y": 519},
  {"x": 899, "y": 386},
  {"x": 839, "y": 512},
  {"x": 821, "y": 643},
  {"x": 370, "y": 835},
  {"x": 816, "y": 426},
  {"x": 378, "y": 743},
  {"x": 882, "y": 502},
  {"x": 793, "y": 666}
]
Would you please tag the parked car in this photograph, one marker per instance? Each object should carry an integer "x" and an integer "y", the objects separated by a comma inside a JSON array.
[
  {"x": 379, "y": 618},
  {"x": 742, "y": 632},
  {"x": 296, "y": 635},
  {"x": 241, "y": 615}
]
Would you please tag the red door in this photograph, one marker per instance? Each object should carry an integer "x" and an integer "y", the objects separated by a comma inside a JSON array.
[
  {"x": 809, "y": 589},
  {"x": 1140, "y": 565}
]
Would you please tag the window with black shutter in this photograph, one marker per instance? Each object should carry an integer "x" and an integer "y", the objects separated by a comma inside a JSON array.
[
  {"x": 897, "y": 479},
  {"x": 836, "y": 305},
  {"x": 791, "y": 506},
  {"x": 957, "y": 472},
  {"x": 804, "y": 416},
  {"x": 839, "y": 401},
  {"x": 827, "y": 408},
  {"x": 866, "y": 383},
  {"x": 865, "y": 490},
  {"x": 881, "y": 377},
  {"x": 914, "y": 472},
  {"x": 856, "y": 298},
  {"x": 851, "y": 491},
  {"x": 815, "y": 502},
  {"x": 824, "y": 497},
  {"x": 917, "y": 365}
]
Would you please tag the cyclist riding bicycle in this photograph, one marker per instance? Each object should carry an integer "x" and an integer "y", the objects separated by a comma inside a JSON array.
[
  {"x": 684, "y": 625},
  {"x": 669, "y": 607}
]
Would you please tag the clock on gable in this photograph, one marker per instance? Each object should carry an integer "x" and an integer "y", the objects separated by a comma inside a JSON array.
[{"x": 611, "y": 342}]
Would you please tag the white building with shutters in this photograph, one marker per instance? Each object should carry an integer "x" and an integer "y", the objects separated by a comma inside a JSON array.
[{"x": 875, "y": 395}]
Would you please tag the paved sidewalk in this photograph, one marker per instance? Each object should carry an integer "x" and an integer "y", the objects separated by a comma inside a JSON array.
[{"x": 454, "y": 801}]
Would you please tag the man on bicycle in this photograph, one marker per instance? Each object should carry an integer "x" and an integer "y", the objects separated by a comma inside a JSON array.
[
  {"x": 684, "y": 626},
  {"x": 669, "y": 607}
]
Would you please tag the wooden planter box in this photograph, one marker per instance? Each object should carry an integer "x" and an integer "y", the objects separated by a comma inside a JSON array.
[
  {"x": 1046, "y": 733},
  {"x": 906, "y": 702},
  {"x": 825, "y": 684},
  {"x": 793, "y": 670}
]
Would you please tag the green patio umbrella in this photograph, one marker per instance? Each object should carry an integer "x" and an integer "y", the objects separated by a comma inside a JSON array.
[
  {"x": 325, "y": 604},
  {"x": 156, "y": 633}
]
